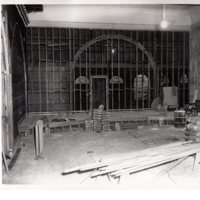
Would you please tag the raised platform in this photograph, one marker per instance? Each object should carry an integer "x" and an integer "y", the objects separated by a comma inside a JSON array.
[{"x": 76, "y": 121}]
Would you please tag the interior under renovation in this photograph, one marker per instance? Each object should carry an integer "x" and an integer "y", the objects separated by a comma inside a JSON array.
[{"x": 101, "y": 96}]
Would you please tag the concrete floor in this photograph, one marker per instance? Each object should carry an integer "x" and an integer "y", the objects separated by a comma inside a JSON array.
[{"x": 71, "y": 149}]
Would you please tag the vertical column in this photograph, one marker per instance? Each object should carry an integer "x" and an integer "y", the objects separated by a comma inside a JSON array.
[
  {"x": 149, "y": 74},
  {"x": 173, "y": 84},
  {"x": 53, "y": 50},
  {"x": 167, "y": 58},
  {"x": 112, "y": 74},
  {"x": 32, "y": 89},
  {"x": 161, "y": 62},
  {"x": 136, "y": 96},
  {"x": 90, "y": 88},
  {"x": 131, "y": 72},
  {"x": 70, "y": 70},
  {"x": 143, "y": 71},
  {"x": 87, "y": 75},
  {"x": 73, "y": 75},
  {"x": 179, "y": 57},
  {"x": 184, "y": 46},
  {"x": 125, "y": 97},
  {"x": 60, "y": 72},
  {"x": 39, "y": 72},
  {"x": 118, "y": 73},
  {"x": 102, "y": 64},
  {"x": 46, "y": 66},
  {"x": 80, "y": 65}
]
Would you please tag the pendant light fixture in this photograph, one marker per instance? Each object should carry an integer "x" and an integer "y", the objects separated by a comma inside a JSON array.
[{"x": 164, "y": 23}]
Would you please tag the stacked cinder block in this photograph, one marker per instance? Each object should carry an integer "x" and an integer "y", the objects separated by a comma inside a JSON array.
[{"x": 193, "y": 129}]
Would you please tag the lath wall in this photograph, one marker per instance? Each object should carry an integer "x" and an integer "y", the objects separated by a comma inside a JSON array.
[{"x": 50, "y": 52}]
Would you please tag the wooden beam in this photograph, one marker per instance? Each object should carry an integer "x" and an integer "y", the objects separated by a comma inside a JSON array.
[
  {"x": 70, "y": 74},
  {"x": 39, "y": 73},
  {"x": 136, "y": 89}
]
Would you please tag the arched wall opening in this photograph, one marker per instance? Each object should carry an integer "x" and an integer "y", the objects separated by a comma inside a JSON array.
[{"x": 113, "y": 70}]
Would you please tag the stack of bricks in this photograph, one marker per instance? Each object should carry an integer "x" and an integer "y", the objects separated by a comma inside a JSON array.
[
  {"x": 105, "y": 121},
  {"x": 101, "y": 120},
  {"x": 97, "y": 120},
  {"x": 193, "y": 129},
  {"x": 89, "y": 125}
]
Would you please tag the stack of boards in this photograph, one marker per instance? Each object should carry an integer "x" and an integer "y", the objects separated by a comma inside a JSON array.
[
  {"x": 123, "y": 164},
  {"x": 193, "y": 129},
  {"x": 101, "y": 120}
]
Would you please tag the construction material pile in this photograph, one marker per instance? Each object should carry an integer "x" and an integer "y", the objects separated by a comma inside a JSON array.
[
  {"x": 193, "y": 129},
  {"x": 101, "y": 119},
  {"x": 123, "y": 164},
  {"x": 89, "y": 125}
]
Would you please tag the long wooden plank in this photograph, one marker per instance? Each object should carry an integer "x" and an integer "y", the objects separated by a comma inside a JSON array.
[
  {"x": 141, "y": 161},
  {"x": 153, "y": 164},
  {"x": 120, "y": 157}
]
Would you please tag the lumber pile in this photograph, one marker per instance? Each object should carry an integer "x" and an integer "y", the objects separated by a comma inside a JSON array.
[
  {"x": 123, "y": 164},
  {"x": 193, "y": 129}
]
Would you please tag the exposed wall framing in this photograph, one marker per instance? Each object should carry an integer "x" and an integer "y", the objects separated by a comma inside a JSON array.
[{"x": 57, "y": 57}]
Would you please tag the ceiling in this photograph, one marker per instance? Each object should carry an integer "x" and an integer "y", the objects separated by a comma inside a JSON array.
[{"x": 115, "y": 16}]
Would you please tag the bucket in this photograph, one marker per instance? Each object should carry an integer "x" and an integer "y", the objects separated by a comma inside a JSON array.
[{"x": 179, "y": 119}]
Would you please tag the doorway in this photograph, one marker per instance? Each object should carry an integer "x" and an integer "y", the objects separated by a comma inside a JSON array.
[{"x": 99, "y": 92}]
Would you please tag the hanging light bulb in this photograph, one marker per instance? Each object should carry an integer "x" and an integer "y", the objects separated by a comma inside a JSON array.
[
  {"x": 113, "y": 50},
  {"x": 164, "y": 23}
]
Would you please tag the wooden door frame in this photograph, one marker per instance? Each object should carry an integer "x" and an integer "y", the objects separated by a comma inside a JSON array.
[{"x": 107, "y": 91}]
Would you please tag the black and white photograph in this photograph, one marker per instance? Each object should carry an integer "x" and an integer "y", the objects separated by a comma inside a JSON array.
[{"x": 100, "y": 94}]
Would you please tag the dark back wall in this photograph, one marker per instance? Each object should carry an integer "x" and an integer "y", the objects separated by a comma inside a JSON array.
[{"x": 50, "y": 52}]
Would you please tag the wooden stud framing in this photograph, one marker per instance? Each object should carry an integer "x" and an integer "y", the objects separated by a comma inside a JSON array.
[
  {"x": 39, "y": 74},
  {"x": 112, "y": 68},
  {"x": 183, "y": 68},
  {"x": 46, "y": 65},
  {"x": 143, "y": 73},
  {"x": 60, "y": 71},
  {"x": 173, "y": 59},
  {"x": 149, "y": 75},
  {"x": 161, "y": 62},
  {"x": 74, "y": 92},
  {"x": 80, "y": 90},
  {"x": 167, "y": 67},
  {"x": 116, "y": 63},
  {"x": 118, "y": 71},
  {"x": 125, "y": 96},
  {"x": 32, "y": 90},
  {"x": 131, "y": 72},
  {"x": 87, "y": 74},
  {"x": 70, "y": 68},
  {"x": 136, "y": 89}
]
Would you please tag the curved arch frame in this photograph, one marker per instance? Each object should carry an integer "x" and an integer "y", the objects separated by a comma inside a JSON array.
[
  {"x": 110, "y": 36},
  {"x": 24, "y": 63}
]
